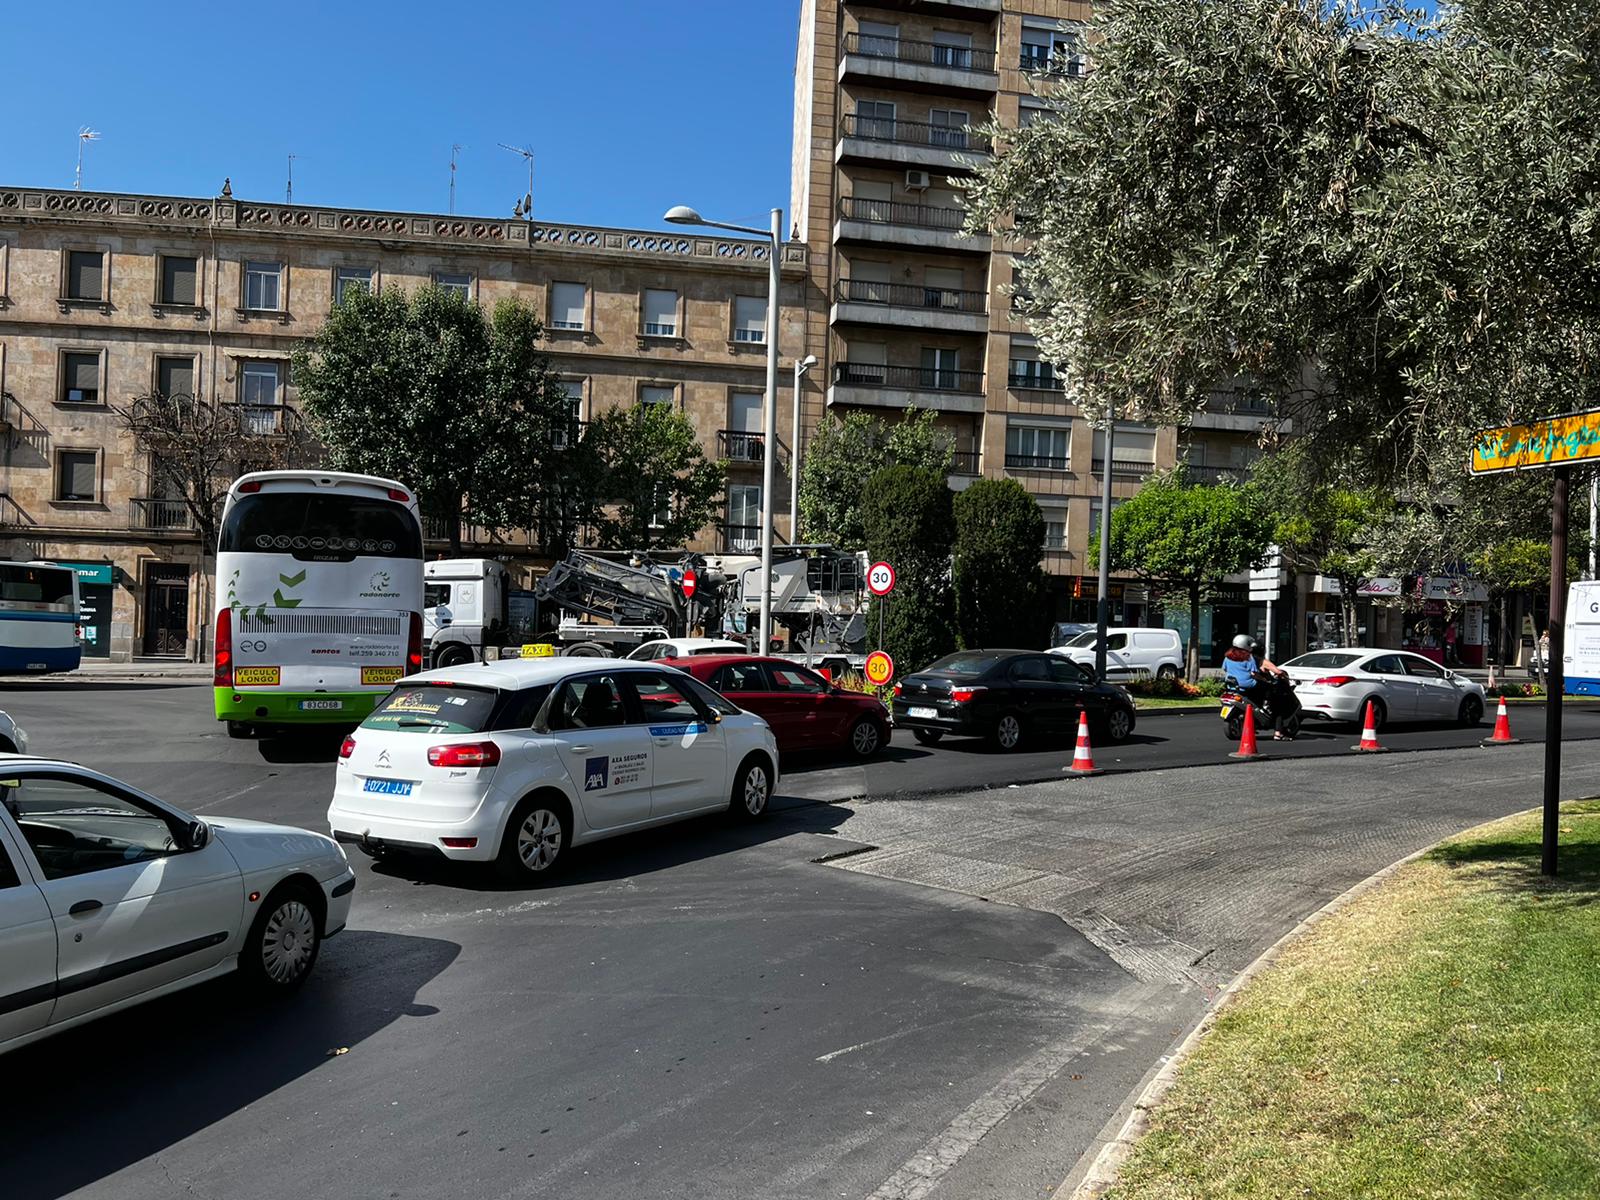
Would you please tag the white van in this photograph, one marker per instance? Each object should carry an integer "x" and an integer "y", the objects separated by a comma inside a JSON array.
[{"x": 1131, "y": 653}]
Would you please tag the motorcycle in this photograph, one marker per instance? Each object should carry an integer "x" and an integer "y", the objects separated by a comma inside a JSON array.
[{"x": 1279, "y": 709}]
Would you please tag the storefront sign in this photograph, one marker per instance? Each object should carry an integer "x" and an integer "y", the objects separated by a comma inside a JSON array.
[
  {"x": 1472, "y": 625},
  {"x": 1384, "y": 585},
  {"x": 1570, "y": 437},
  {"x": 1455, "y": 589},
  {"x": 93, "y": 572}
]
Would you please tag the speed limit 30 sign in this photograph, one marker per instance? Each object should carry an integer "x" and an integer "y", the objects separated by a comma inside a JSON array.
[{"x": 880, "y": 579}]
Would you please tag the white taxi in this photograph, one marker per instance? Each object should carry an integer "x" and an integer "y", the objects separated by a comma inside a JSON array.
[{"x": 515, "y": 762}]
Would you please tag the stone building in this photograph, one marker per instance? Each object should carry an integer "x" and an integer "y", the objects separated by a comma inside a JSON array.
[
  {"x": 906, "y": 309},
  {"x": 105, "y": 297}
]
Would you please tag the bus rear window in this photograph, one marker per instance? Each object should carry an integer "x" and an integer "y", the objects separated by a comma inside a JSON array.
[
  {"x": 320, "y": 527},
  {"x": 44, "y": 586}
]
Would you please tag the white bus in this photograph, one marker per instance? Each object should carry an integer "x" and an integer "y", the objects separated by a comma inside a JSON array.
[
  {"x": 38, "y": 618},
  {"x": 319, "y": 598}
]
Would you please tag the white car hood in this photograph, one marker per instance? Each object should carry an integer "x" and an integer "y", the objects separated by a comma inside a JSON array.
[{"x": 257, "y": 844}]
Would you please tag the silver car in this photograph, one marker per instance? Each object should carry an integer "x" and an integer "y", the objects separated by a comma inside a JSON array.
[{"x": 1336, "y": 685}]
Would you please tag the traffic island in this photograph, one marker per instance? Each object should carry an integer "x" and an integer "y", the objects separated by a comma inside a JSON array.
[{"x": 1436, "y": 1036}]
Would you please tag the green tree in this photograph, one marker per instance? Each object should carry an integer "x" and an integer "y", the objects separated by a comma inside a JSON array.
[
  {"x": 427, "y": 388},
  {"x": 999, "y": 584},
  {"x": 1330, "y": 531},
  {"x": 908, "y": 519},
  {"x": 644, "y": 462},
  {"x": 843, "y": 455},
  {"x": 1188, "y": 536}
]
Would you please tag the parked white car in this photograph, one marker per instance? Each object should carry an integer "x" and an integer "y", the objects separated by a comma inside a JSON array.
[
  {"x": 515, "y": 762},
  {"x": 1336, "y": 685},
  {"x": 13, "y": 737},
  {"x": 109, "y": 897},
  {"x": 1130, "y": 653},
  {"x": 666, "y": 649}
]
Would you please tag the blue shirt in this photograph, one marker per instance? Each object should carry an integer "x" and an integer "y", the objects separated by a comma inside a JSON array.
[{"x": 1241, "y": 674}]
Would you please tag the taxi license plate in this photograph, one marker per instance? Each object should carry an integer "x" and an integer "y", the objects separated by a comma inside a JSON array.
[
  {"x": 256, "y": 676},
  {"x": 371, "y": 675},
  {"x": 388, "y": 787},
  {"x": 925, "y": 714},
  {"x": 321, "y": 705}
]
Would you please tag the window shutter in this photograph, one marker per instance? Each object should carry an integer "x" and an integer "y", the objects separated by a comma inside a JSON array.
[
  {"x": 83, "y": 274},
  {"x": 77, "y": 475},
  {"x": 175, "y": 377},
  {"x": 568, "y": 305},
  {"x": 660, "y": 312},
  {"x": 178, "y": 280},
  {"x": 749, "y": 319}
]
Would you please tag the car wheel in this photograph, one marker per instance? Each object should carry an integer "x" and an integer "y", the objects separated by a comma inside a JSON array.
[
  {"x": 587, "y": 650},
  {"x": 281, "y": 947},
  {"x": 239, "y": 730},
  {"x": 453, "y": 656},
  {"x": 752, "y": 789},
  {"x": 1007, "y": 733},
  {"x": 866, "y": 738},
  {"x": 1167, "y": 672},
  {"x": 534, "y": 845},
  {"x": 1118, "y": 725},
  {"x": 1471, "y": 711},
  {"x": 928, "y": 737}
]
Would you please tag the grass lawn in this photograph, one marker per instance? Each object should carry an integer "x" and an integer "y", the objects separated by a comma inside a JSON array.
[
  {"x": 1438, "y": 1037},
  {"x": 1148, "y": 702}
]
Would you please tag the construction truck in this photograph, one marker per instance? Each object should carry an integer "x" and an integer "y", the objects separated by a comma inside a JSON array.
[{"x": 465, "y": 610}]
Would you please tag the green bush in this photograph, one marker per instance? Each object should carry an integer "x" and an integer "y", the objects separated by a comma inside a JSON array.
[
  {"x": 907, "y": 515},
  {"x": 999, "y": 584}
]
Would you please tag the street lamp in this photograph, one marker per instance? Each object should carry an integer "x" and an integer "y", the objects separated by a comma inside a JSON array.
[
  {"x": 801, "y": 366},
  {"x": 683, "y": 215}
]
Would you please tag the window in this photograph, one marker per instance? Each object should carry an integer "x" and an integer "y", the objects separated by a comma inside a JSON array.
[
  {"x": 796, "y": 679},
  {"x": 661, "y": 515},
  {"x": 1422, "y": 668},
  {"x": 1055, "y": 530},
  {"x": 750, "y": 318},
  {"x": 866, "y": 363},
  {"x": 1031, "y": 670},
  {"x": 1030, "y": 111},
  {"x": 660, "y": 313},
  {"x": 85, "y": 275},
  {"x": 740, "y": 677},
  {"x": 75, "y": 827},
  {"x": 744, "y": 509},
  {"x": 744, "y": 412},
  {"x": 258, "y": 383},
  {"x": 569, "y": 306},
  {"x": 875, "y": 119},
  {"x": 427, "y": 709},
  {"x": 76, "y": 475},
  {"x": 656, "y": 394},
  {"x": 878, "y": 40},
  {"x": 175, "y": 376},
  {"x": 943, "y": 287},
  {"x": 949, "y": 127},
  {"x": 712, "y": 701},
  {"x": 180, "y": 280},
  {"x": 952, "y": 50},
  {"x": 662, "y": 698},
  {"x": 941, "y": 368},
  {"x": 1043, "y": 45},
  {"x": 1132, "y": 448},
  {"x": 593, "y": 703},
  {"x": 1388, "y": 664},
  {"x": 345, "y": 278},
  {"x": 572, "y": 414},
  {"x": 1038, "y": 446},
  {"x": 80, "y": 377},
  {"x": 1064, "y": 670},
  {"x": 1094, "y": 516},
  {"x": 458, "y": 285},
  {"x": 263, "y": 286},
  {"x": 873, "y": 200}
]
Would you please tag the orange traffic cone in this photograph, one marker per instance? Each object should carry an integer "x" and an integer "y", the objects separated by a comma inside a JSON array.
[
  {"x": 1369, "y": 734},
  {"x": 1247, "y": 738},
  {"x": 1502, "y": 729},
  {"x": 1082, "y": 757}
]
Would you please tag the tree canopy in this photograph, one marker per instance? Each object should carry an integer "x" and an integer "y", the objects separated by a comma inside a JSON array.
[
  {"x": 644, "y": 463},
  {"x": 907, "y": 514},
  {"x": 844, "y": 454},
  {"x": 999, "y": 584}
]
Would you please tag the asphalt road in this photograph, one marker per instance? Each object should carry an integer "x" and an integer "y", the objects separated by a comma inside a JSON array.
[{"x": 953, "y": 1003}]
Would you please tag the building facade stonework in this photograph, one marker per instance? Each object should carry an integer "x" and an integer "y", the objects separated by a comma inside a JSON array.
[{"x": 105, "y": 297}]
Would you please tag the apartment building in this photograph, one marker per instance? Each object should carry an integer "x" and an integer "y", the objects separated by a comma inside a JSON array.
[
  {"x": 908, "y": 310},
  {"x": 104, "y": 297}
]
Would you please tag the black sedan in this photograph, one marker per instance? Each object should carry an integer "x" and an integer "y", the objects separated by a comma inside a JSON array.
[{"x": 1009, "y": 697}]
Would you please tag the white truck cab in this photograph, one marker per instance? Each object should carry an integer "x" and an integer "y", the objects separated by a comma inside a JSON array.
[{"x": 464, "y": 609}]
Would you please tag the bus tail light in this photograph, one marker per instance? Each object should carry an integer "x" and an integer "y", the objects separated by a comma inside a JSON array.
[
  {"x": 464, "y": 754},
  {"x": 347, "y": 748},
  {"x": 414, "y": 645},
  {"x": 222, "y": 662}
]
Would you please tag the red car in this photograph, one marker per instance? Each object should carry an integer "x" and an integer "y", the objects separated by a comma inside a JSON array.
[{"x": 806, "y": 712}]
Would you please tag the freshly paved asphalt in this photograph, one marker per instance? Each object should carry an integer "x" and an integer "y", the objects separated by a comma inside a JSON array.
[{"x": 953, "y": 1006}]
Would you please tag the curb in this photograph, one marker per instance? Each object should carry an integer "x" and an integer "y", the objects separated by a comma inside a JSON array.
[{"x": 1103, "y": 1168}]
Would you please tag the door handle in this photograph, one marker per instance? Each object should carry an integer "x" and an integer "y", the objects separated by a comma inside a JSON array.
[
  {"x": 84, "y": 908},
  {"x": 664, "y": 741}
]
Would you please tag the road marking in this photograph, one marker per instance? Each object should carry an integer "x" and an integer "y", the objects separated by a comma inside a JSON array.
[{"x": 889, "y": 1037}]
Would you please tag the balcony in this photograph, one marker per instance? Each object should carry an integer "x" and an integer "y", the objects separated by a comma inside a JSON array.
[
  {"x": 266, "y": 420},
  {"x": 942, "y": 148},
  {"x": 884, "y": 223},
  {"x": 739, "y": 446},
  {"x": 1243, "y": 411},
  {"x": 1131, "y": 468},
  {"x": 1035, "y": 381},
  {"x": 741, "y": 539},
  {"x": 965, "y": 462},
  {"x": 878, "y": 386},
  {"x": 1037, "y": 462},
  {"x": 919, "y": 66},
  {"x": 1066, "y": 63},
  {"x": 974, "y": 10},
  {"x": 869, "y": 302},
  {"x": 159, "y": 514}
]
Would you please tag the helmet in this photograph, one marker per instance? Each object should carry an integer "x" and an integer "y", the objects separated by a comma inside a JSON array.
[{"x": 1243, "y": 642}]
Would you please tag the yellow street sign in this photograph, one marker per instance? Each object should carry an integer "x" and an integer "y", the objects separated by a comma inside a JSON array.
[{"x": 1550, "y": 442}]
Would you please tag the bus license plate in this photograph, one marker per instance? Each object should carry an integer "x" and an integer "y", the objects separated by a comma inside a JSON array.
[
  {"x": 255, "y": 676},
  {"x": 321, "y": 705},
  {"x": 388, "y": 787},
  {"x": 922, "y": 714},
  {"x": 380, "y": 675}
]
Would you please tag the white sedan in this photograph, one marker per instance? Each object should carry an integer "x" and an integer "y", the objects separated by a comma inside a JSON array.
[
  {"x": 514, "y": 762},
  {"x": 1337, "y": 684},
  {"x": 666, "y": 649},
  {"x": 109, "y": 897}
]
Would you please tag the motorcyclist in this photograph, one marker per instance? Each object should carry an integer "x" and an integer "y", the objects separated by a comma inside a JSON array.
[{"x": 1243, "y": 668}]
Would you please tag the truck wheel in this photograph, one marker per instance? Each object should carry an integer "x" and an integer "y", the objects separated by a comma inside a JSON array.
[
  {"x": 453, "y": 655},
  {"x": 587, "y": 650}
]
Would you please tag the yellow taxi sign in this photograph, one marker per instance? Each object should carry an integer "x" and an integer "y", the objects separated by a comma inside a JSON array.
[
  {"x": 256, "y": 676},
  {"x": 538, "y": 650},
  {"x": 372, "y": 675},
  {"x": 1548, "y": 442}
]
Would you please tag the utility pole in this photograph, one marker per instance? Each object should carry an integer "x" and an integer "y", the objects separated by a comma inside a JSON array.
[
  {"x": 1555, "y": 670},
  {"x": 455, "y": 149},
  {"x": 1103, "y": 610},
  {"x": 1594, "y": 504}
]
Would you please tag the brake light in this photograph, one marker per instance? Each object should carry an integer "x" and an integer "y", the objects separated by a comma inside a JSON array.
[
  {"x": 347, "y": 748},
  {"x": 963, "y": 694},
  {"x": 897, "y": 688},
  {"x": 1333, "y": 681},
  {"x": 414, "y": 644},
  {"x": 253, "y": 485},
  {"x": 464, "y": 754},
  {"x": 397, "y": 494},
  {"x": 222, "y": 657},
  {"x": 458, "y": 843}
]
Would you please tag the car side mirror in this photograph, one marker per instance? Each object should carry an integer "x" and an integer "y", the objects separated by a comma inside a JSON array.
[
  {"x": 196, "y": 835},
  {"x": 715, "y": 718}
]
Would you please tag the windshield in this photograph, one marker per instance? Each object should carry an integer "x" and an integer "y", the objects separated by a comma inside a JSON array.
[
  {"x": 435, "y": 708},
  {"x": 967, "y": 664},
  {"x": 1083, "y": 639},
  {"x": 320, "y": 527},
  {"x": 37, "y": 588},
  {"x": 1323, "y": 661}
]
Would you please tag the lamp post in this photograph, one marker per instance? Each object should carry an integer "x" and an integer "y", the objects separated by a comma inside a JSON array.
[
  {"x": 682, "y": 215},
  {"x": 801, "y": 366}
]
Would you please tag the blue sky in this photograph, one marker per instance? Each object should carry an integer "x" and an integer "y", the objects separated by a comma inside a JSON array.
[{"x": 629, "y": 106}]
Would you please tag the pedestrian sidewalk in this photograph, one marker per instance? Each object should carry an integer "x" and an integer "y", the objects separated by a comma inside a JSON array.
[{"x": 155, "y": 668}]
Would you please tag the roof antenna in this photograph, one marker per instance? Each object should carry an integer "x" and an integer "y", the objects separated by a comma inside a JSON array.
[
  {"x": 454, "y": 150},
  {"x": 527, "y": 153},
  {"x": 288, "y": 191},
  {"x": 85, "y": 134}
]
